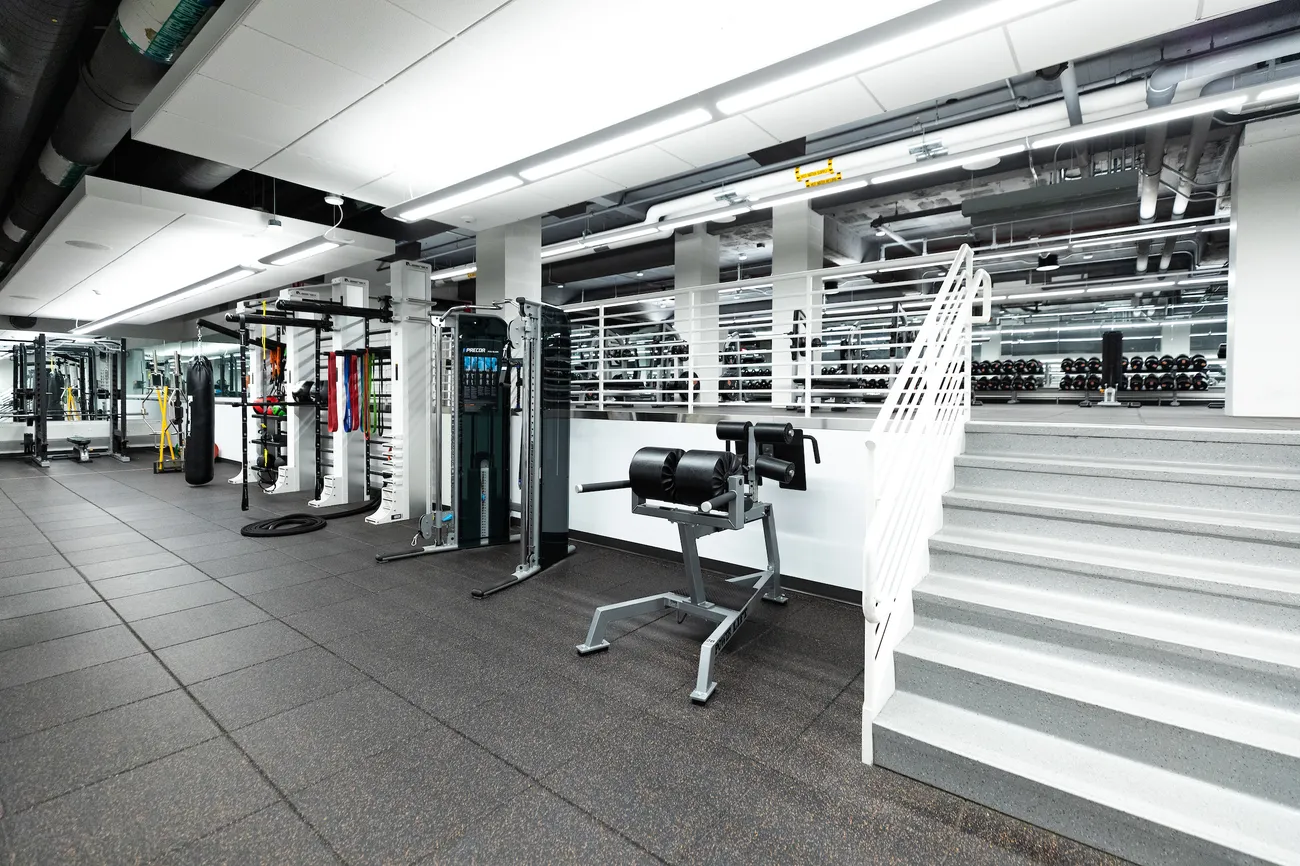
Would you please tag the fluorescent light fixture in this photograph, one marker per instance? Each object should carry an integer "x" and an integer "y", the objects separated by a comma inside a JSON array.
[
  {"x": 1048, "y": 262},
  {"x": 1023, "y": 251},
  {"x": 1217, "y": 227},
  {"x": 673, "y": 225},
  {"x": 224, "y": 278},
  {"x": 619, "y": 144},
  {"x": 815, "y": 192},
  {"x": 620, "y": 237},
  {"x": 1203, "y": 281},
  {"x": 930, "y": 166},
  {"x": 304, "y": 250},
  {"x": 452, "y": 273},
  {"x": 983, "y": 17},
  {"x": 1125, "y": 239},
  {"x": 1121, "y": 324},
  {"x": 419, "y": 208},
  {"x": 1138, "y": 120},
  {"x": 561, "y": 250},
  {"x": 1292, "y": 89}
]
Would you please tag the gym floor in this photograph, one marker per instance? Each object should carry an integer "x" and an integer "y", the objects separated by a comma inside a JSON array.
[{"x": 173, "y": 692}]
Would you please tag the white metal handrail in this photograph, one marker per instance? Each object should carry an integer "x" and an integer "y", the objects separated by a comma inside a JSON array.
[{"x": 916, "y": 437}]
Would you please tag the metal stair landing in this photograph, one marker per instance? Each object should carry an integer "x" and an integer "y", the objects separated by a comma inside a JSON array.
[{"x": 1107, "y": 643}]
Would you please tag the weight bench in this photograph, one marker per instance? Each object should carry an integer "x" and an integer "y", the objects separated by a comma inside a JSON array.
[
  {"x": 704, "y": 492},
  {"x": 80, "y": 448}
]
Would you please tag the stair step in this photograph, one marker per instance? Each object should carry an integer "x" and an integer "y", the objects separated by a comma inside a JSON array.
[
  {"x": 1253, "y": 748},
  {"x": 1259, "y": 583},
  {"x": 1254, "y": 539},
  {"x": 1220, "y": 488},
  {"x": 1275, "y": 449},
  {"x": 1125, "y": 806}
]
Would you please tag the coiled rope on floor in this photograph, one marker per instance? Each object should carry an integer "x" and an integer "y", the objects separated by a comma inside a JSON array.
[{"x": 301, "y": 524}]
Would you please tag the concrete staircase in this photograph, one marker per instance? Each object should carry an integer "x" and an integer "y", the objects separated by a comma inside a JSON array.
[{"x": 1108, "y": 641}]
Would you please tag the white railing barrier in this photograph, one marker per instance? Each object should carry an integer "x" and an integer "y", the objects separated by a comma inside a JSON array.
[{"x": 913, "y": 444}]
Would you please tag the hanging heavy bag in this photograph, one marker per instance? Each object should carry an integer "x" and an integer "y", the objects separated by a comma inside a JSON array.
[{"x": 199, "y": 453}]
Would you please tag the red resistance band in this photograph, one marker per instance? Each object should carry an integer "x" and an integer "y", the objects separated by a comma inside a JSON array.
[{"x": 333, "y": 396}]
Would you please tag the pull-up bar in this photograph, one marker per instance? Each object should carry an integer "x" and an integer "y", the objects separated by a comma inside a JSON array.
[
  {"x": 282, "y": 321},
  {"x": 333, "y": 308}
]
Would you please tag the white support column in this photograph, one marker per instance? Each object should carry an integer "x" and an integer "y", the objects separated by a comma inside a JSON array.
[
  {"x": 695, "y": 315},
  {"x": 343, "y": 481},
  {"x": 1176, "y": 339},
  {"x": 1263, "y": 305},
  {"x": 408, "y": 489},
  {"x": 509, "y": 261},
  {"x": 797, "y": 245},
  {"x": 991, "y": 350}
]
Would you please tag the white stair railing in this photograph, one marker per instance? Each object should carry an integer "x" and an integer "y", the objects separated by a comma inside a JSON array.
[{"x": 913, "y": 444}]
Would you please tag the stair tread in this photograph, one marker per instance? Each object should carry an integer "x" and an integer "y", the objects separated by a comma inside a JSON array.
[
  {"x": 1257, "y": 476},
  {"x": 1071, "y": 675},
  {"x": 1077, "y": 556},
  {"x": 1271, "y": 646},
  {"x": 1213, "y": 520},
  {"x": 1231, "y": 819},
  {"x": 1239, "y": 435}
]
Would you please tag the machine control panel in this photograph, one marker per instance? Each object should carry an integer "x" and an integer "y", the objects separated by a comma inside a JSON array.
[{"x": 480, "y": 376}]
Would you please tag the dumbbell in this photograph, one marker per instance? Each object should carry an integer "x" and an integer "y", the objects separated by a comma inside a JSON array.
[
  {"x": 1020, "y": 368},
  {"x": 1166, "y": 363},
  {"x": 1094, "y": 383},
  {"x": 1067, "y": 365},
  {"x": 1167, "y": 382},
  {"x": 1199, "y": 362},
  {"x": 1036, "y": 367},
  {"x": 1152, "y": 363},
  {"x": 1182, "y": 362},
  {"x": 1018, "y": 383},
  {"x": 1067, "y": 383},
  {"x": 1031, "y": 384},
  {"x": 1080, "y": 382},
  {"x": 1151, "y": 382},
  {"x": 1183, "y": 382},
  {"x": 1200, "y": 382},
  {"x": 1135, "y": 383},
  {"x": 1094, "y": 365}
]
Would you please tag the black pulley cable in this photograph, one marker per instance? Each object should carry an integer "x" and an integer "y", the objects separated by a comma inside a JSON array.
[{"x": 300, "y": 524}]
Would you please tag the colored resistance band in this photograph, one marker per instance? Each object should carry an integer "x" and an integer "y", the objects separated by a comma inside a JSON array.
[
  {"x": 333, "y": 396},
  {"x": 347, "y": 394},
  {"x": 358, "y": 408}
]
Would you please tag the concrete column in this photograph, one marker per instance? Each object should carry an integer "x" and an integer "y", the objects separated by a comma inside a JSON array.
[
  {"x": 509, "y": 261},
  {"x": 1263, "y": 305},
  {"x": 797, "y": 245},
  {"x": 992, "y": 350},
  {"x": 695, "y": 316},
  {"x": 1176, "y": 339}
]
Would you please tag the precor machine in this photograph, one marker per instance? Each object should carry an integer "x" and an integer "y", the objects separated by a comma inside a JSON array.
[
  {"x": 476, "y": 355},
  {"x": 704, "y": 492}
]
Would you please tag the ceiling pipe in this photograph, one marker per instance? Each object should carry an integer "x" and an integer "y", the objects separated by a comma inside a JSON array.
[
  {"x": 1070, "y": 90},
  {"x": 1201, "y": 133},
  {"x": 38, "y": 38},
  {"x": 132, "y": 56}
]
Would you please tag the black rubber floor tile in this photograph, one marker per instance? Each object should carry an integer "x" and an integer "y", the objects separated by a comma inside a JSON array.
[
  {"x": 24, "y": 546},
  {"x": 198, "y": 622},
  {"x": 353, "y": 615},
  {"x": 92, "y": 518},
  {"x": 161, "y": 531},
  {"x": 245, "y": 563},
  {"x": 300, "y": 747},
  {"x": 137, "y": 607},
  {"x": 346, "y": 563},
  {"x": 392, "y": 646},
  {"x": 31, "y": 565},
  {"x": 129, "y": 549},
  {"x": 222, "y": 549},
  {"x": 638, "y": 669},
  {"x": 261, "y": 691},
  {"x": 57, "y": 700},
  {"x": 44, "y": 765},
  {"x": 217, "y": 535},
  {"x": 39, "y": 580},
  {"x": 51, "y": 658},
  {"x": 379, "y": 578},
  {"x": 150, "y": 581},
  {"x": 76, "y": 543},
  {"x": 229, "y": 651},
  {"x": 277, "y": 577},
  {"x": 274, "y": 836},
  {"x": 84, "y": 534},
  {"x": 138, "y": 815},
  {"x": 306, "y": 596},
  {"x": 35, "y": 628},
  {"x": 154, "y": 561},
  {"x": 409, "y": 800},
  {"x": 537, "y": 827},
  {"x": 42, "y": 600},
  {"x": 310, "y": 547}
]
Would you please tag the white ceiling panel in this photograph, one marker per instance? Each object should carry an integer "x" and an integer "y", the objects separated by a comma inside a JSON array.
[
  {"x": 725, "y": 139},
  {"x": 984, "y": 57},
  {"x": 631, "y": 168},
  {"x": 824, "y": 108},
  {"x": 571, "y": 187},
  {"x": 496, "y": 211},
  {"x": 239, "y": 112},
  {"x": 452, "y": 16},
  {"x": 1212, "y": 8},
  {"x": 315, "y": 173},
  {"x": 190, "y": 136},
  {"x": 1080, "y": 29},
  {"x": 144, "y": 244},
  {"x": 253, "y": 61},
  {"x": 372, "y": 38}
]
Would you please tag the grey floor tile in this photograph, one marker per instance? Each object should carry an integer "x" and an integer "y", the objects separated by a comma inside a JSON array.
[
  {"x": 35, "y": 628},
  {"x": 51, "y": 658},
  {"x": 169, "y": 802},
  {"x": 217, "y": 535},
  {"x": 245, "y": 563},
  {"x": 537, "y": 827},
  {"x": 128, "y": 548},
  {"x": 31, "y": 565},
  {"x": 137, "y": 607},
  {"x": 304, "y": 745},
  {"x": 24, "y": 545},
  {"x": 198, "y": 622},
  {"x": 78, "y": 543},
  {"x": 245, "y": 696},
  {"x": 39, "y": 580},
  {"x": 44, "y": 765},
  {"x": 306, "y": 596},
  {"x": 269, "y": 579},
  {"x": 150, "y": 581},
  {"x": 229, "y": 651},
  {"x": 42, "y": 600},
  {"x": 56, "y": 700},
  {"x": 223, "y": 549},
  {"x": 274, "y": 836},
  {"x": 153, "y": 561},
  {"x": 313, "y": 548},
  {"x": 409, "y": 800},
  {"x": 378, "y": 578},
  {"x": 389, "y": 647},
  {"x": 346, "y": 563},
  {"x": 355, "y": 614}
]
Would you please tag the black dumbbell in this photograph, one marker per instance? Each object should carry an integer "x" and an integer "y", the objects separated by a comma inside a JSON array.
[
  {"x": 1067, "y": 383},
  {"x": 1067, "y": 365},
  {"x": 1183, "y": 382},
  {"x": 1200, "y": 382},
  {"x": 1152, "y": 363},
  {"x": 1135, "y": 383},
  {"x": 1199, "y": 362},
  {"x": 1167, "y": 382},
  {"x": 1080, "y": 382},
  {"x": 1151, "y": 382},
  {"x": 1094, "y": 365},
  {"x": 1166, "y": 362},
  {"x": 1182, "y": 362},
  {"x": 1020, "y": 368},
  {"x": 1094, "y": 383}
]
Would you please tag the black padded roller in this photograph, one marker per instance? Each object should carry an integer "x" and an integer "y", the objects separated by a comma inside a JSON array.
[
  {"x": 774, "y": 434},
  {"x": 651, "y": 472},
  {"x": 733, "y": 431},
  {"x": 781, "y": 471},
  {"x": 702, "y": 475}
]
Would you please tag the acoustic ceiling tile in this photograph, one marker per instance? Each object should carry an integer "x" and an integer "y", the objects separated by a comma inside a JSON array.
[
  {"x": 1086, "y": 27},
  {"x": 722, "y": 140},
  {"x": 817, "y": 110},
  {"x": 924, "y": 77}
]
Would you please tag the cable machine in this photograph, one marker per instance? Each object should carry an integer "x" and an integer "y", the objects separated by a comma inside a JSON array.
[{"x": 474, "y": 360}]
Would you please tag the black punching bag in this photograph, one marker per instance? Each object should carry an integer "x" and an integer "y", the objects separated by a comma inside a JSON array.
[{"x": 199, "y": 447}]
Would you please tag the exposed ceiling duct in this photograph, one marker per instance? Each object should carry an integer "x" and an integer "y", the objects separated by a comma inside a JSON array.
[{"x": 131, "y": 57}]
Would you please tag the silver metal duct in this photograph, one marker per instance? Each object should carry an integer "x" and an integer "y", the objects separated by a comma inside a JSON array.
[{"x": 1070, "y": 91}]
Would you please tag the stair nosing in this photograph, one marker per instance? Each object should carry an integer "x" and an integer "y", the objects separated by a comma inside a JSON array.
[{"x": 1181, "y": 473}]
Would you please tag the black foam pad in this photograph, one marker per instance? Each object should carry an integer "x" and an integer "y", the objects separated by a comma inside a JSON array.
[
  {"x": 200, "y": 457},
  {"x": 774, "y": 434},
  {"x": 733, "y": 431},
  {"x": 782, "y": 471},
  {"x": 651, "y": 472},
  {"x": 702, "y": 475}
]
